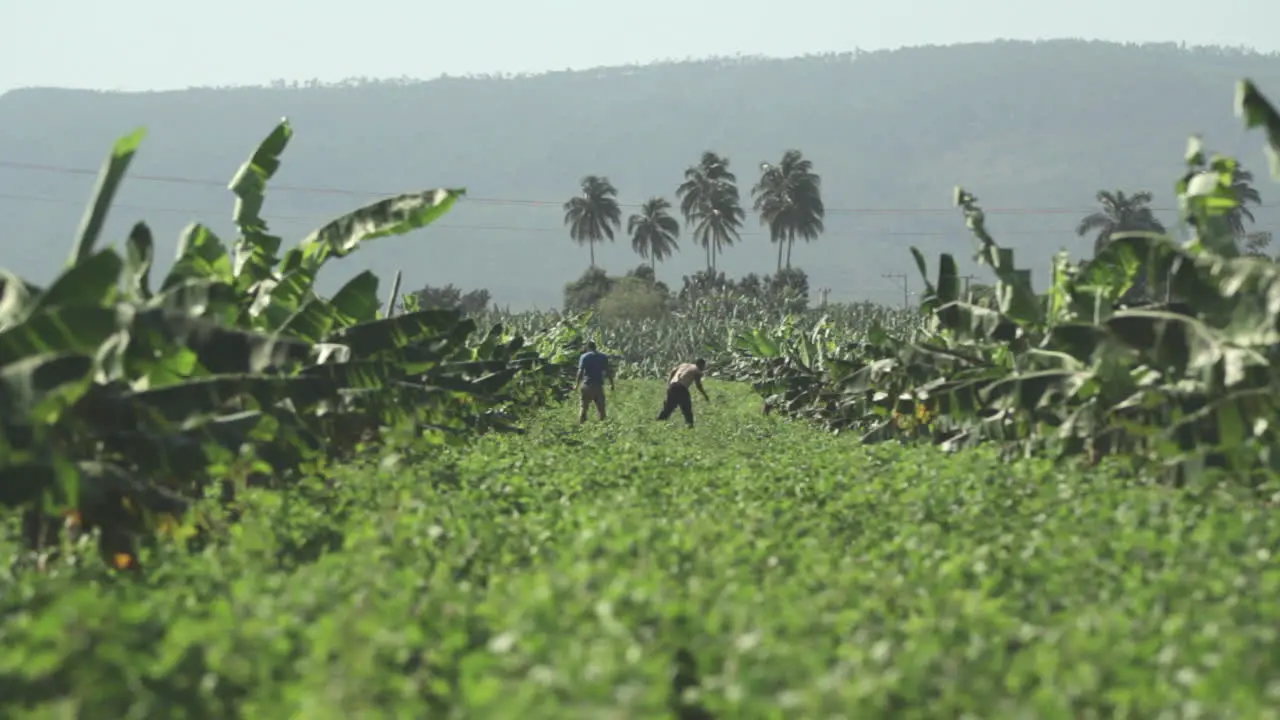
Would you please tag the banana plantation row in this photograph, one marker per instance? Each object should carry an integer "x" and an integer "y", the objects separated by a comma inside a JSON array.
[{"x": 1159, "y": 351}]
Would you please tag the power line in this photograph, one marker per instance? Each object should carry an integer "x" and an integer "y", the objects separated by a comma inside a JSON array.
[
  {"x": 314, "y": 218},
  {"x": 318, "y": 218},
  {"x": 174, "y": 179}
]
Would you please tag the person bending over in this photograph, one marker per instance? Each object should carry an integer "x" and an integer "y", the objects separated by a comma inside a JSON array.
[
  {"x": 678, "y": 396},
  {"x": 593, "y": 368}
]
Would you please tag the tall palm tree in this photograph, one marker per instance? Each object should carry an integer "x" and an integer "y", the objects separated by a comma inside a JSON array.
[
  {"x": 1245, "y": 193},
  {"x": 1119, "y": 213},
  {"x": 788, "y": 198},
  {"x": 710, "y": 204},
  {"x": 711, "y": 167},
  {"x": 716, "y": 227},
  {"x": 653, "y": 231},
  {"x": 593, "y": 215}
]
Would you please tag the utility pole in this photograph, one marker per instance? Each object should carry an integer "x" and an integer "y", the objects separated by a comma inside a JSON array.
[
  {"x": 824, "y": 292},
  {"x": 906, "y": 295}
]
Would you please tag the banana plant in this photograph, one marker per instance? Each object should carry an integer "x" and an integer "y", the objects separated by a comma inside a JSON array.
[
  {"x": 122, "y": 400},
  {"x": 1182, "y": 373}
]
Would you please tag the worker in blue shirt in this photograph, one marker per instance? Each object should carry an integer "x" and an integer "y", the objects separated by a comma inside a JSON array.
[{"x": 593, "y": 368}]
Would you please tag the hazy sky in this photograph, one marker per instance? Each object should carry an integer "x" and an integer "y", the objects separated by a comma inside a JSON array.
[{"x": 155, "y": 44}]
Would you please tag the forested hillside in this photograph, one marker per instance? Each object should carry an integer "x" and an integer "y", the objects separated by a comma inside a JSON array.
[{"x": 1034, "y": 128}]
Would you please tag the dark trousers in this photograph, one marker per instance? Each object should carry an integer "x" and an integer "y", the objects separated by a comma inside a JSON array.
[
  {"x": 678, "y": 397},
  {"x": 592, "y": 394}
]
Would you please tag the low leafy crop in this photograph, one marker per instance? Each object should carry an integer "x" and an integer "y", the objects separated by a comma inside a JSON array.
[
  {"x": 751, "y": 568},
  {"x": 124, "y": 400},
  {"x": 1155, "y": 348}
]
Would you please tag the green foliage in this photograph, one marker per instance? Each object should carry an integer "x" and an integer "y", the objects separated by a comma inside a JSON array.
[
  {"x": 451, "y": 298},
  {"x": 1186, "y": 379},
  {"x": 124, "y": 398},
  {"x": 632, "y": 299},
  {"x": 785, "y": 291},
  {"x": 639, "y": 285},
  {"x": 645, "y": 275},
  {"x": 754, "y": 568},
  {"x": 707, "y": 325},
  {"x": 586, "y": 292},
  {"x": 704, "y": 317}
]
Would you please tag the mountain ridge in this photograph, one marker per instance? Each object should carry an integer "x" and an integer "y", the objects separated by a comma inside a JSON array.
[{"x": 1021, "y": 124}]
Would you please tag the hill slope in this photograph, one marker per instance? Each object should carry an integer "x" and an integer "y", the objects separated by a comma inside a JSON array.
[{"x": 1024, "y": 125}]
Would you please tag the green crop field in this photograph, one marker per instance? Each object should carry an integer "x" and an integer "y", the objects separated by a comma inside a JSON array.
[
  {"x": 226, "y": 495},
  {"x": 754, "y": 567}
]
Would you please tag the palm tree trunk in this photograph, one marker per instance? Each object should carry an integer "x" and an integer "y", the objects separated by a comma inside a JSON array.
[
  {"x": 789, "y": 244},
  {"x": 653, "y": 260},
  {"x": 591, "y": 244},
  {"x": 708, "y": 246},
  {"x": 779, "y": 255}
]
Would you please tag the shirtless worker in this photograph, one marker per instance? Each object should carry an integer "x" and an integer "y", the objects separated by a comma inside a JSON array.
[
  {"x": 593, "y": 367},
  {"x": 678, "y": 395}
]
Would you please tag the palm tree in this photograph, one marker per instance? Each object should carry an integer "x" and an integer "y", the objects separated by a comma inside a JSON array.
[
  {"x": 593, "y": 215},
  {"x": 716, "y": 227},
  {"x": 653, "y": 231},
  {"x": 710, "y": 167},
  {"x": 1119, "y": 213},
  {"x": 1245, "y": 193},
  {"x": 789, "y": 200},
  {"x": 710, "y": 204},
  {"x": 1255, "y": 244}
]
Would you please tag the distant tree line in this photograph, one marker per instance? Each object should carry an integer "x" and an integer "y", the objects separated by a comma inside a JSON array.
[
  {"x": 448, "y": 298},
  {"x": 857, "y": 55},
  {"x": 787, "y": 198},
  {"x": 639, "y": 295}
]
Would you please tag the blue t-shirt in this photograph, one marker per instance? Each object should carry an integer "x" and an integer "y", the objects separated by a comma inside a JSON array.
[{"x": 593, "y": 364}]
